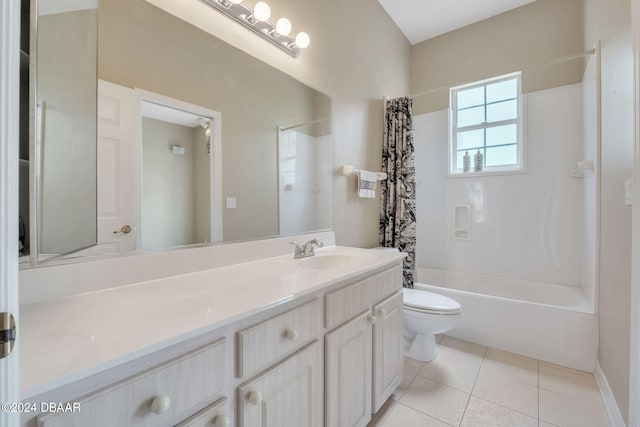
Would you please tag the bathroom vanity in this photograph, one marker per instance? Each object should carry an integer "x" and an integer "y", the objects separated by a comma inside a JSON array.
[{"x": 275, "y": 341}]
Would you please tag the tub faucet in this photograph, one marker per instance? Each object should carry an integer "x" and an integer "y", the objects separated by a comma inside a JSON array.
[{"x": 306, "y": 250}]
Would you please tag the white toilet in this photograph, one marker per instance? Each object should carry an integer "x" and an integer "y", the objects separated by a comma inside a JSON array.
[{"x": 425, "y": 315}]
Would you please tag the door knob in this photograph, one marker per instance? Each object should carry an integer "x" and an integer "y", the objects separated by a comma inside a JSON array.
[
  {"x": 371, "y": 319},
  {"x": 126, "y": 229}
]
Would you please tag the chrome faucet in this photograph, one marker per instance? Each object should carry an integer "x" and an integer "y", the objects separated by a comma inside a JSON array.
[{"x": 306, "y": 250}]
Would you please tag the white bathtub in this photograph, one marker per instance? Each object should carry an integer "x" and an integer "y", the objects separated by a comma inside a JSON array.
[{"x": 553, "y": 323}]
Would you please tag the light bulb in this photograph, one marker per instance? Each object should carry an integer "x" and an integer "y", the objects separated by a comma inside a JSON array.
[
  {"x": 302, "y": 40},
  {"x": 261, "y": 11},
  {"x": 283, "y": 26}
]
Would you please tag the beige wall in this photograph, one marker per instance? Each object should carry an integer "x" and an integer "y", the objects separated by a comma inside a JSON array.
[
  {"x": 142, "y": 46},
  {"x": 516, "y": 40},
  {"x": 357, "y": 56},
  {"x": 609, "y": 20},
  {"x": 168, "y": 185}
]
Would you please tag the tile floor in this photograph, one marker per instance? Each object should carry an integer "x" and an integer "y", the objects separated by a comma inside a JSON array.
[{"x": 470, "y": 385}]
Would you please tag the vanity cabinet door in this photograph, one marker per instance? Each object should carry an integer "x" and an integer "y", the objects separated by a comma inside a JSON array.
[
  {"x": 387, "y": 349},
  {"x": 288, "y": 395},
  {"x": 348, "y": 373}
]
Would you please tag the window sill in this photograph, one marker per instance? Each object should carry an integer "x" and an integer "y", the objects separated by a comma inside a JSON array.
[{"x": 487, "y": 173}]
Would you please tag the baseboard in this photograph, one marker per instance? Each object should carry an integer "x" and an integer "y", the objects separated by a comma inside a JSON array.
[{"x": 610, "y": 404}]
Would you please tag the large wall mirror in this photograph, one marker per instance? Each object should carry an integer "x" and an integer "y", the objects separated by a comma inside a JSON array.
[
  {"x": 199, "y": 142},
  {"x": 58, "y": 133}
]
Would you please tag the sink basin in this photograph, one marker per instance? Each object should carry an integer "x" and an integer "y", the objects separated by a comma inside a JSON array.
[{"x": 330, "y": 261}]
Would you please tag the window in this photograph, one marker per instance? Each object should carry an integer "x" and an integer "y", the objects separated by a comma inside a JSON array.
[
  {"x": 287, "y": 151},
  {"x": 486, "y": 117}
]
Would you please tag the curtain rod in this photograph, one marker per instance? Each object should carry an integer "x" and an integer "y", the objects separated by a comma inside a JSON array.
[
  {"x": 313, "y": 122},
  {"x": 552, "y": 62}
]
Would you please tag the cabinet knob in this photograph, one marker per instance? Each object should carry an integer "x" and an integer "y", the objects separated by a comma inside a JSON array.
[
  {"x": 255, "y": 397},
  {"x": 371, "y": 319},
  {"x": 160, "y": 404},
  {"x": 382, "y": 312},
  {"x": 291, "y": 334},
  {"x": 222, "y": 421}
]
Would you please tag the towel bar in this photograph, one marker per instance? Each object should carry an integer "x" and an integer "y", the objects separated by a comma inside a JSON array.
[{"x": 349, "y": 170}]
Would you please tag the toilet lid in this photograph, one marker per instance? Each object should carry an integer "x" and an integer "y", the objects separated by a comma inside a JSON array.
[{"x": 428, "y": 301}]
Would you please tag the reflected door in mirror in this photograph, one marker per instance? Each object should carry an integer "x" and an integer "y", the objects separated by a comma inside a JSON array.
[{"x": 116, "y": 153}]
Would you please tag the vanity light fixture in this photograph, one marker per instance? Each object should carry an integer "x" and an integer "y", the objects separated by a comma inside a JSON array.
[
  {"x": 262, "y": 11},
  {"x": 302, "y": 40},
  {"x": 257, "y": 20},
  {"x": 283, "y": 26}
]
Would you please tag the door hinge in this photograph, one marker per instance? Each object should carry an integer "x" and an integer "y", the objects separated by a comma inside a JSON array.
[{"x": 7, "y": 334}]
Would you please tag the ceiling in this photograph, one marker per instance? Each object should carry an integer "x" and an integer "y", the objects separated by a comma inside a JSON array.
[{"x": 420, "y": 20}]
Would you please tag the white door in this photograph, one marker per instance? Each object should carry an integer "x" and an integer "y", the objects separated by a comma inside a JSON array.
[
  {"x": 9, "y": 146},
  {"x": 117, "y": 115},
  {"x": 348, "y": 396}
]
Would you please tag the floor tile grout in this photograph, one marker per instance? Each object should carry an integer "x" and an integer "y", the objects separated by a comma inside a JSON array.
[
  {"x": 484, "y": 355},
  {"x": 506, "y": 407},
  {"x": 423, "y": 413}
]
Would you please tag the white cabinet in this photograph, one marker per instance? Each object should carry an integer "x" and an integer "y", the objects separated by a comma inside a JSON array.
[
  {"x": 387, "y": 349},
  {"x": 155, "y": 398},
  {"x": 265, "y": 343},
  {"x": 364, "y": 357},
  {"x": 288, "y": 395},
  {"x": 214, "y": 415},
  {"x": 348, "y": 373}
]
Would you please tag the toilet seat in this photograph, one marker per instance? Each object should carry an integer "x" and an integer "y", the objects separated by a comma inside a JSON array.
[{"x": 428, "y": 302}]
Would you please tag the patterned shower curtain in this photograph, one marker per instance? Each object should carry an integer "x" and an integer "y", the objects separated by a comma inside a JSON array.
[{"x": 398, "y": 210}]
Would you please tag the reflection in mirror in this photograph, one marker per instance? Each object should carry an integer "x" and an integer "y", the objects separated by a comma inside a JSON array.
[
  {"x": 176, "y": 171},
  {"x": 148, "y": 55},
  {"x": 65, "y": 127},
  {"x": 159, "y": 169},
  {"x": 304, "y": 155},
  {"x": 155, "y": 182}
]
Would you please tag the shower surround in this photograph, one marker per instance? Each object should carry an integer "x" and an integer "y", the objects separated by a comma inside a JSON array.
[{"x": 534, "y": 235}]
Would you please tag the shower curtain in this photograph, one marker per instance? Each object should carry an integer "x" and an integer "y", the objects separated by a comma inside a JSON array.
[{"x": 398, "y": 210}]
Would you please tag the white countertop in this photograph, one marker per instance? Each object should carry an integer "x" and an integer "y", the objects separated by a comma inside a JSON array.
[{"x": 68, "y": 339}]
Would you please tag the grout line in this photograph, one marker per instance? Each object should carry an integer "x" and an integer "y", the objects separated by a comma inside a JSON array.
[
  {"x": 506, "y": 407},
  {"x": 407, "y": 387},
  {"x": 448, "y": 385},
  {"x": 484, "y": 356},
  {"x": 423, "y": 413},
  {"x": 538, "y": 365}
]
